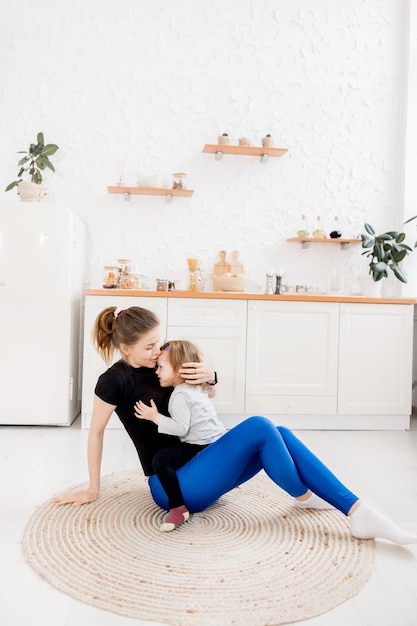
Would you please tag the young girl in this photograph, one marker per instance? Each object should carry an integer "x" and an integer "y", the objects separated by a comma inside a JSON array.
[
  {"x": 193, "y": 419},
  {"x": 238, "y": 455}
]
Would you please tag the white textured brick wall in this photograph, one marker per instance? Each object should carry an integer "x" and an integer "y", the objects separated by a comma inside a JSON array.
[{"x": 153, "y": 81}]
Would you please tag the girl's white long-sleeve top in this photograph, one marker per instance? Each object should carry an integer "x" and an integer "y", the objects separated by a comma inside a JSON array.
[{"x": 193, "y": 416}]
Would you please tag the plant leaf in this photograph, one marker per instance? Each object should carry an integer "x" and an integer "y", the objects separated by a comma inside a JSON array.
[
  {"x": 379, "y": 251},
  {"x": 49, "y": 149},
  {"x": 369, "y": 229},
  {"x": 13, "y": 184},
  {"x": 400, "y": 273},
  {"x": 47, "y": 162},
  {"x": 366, "y": 242},
  {"x": 40, "y": 163},
  {"x": 380, "y": 267},
  {"x": 23, "y": 160},
  {"x": 399, "y": 255},
  {"x": 377, "y": 276},
  {"x": 40, "y": 138}
]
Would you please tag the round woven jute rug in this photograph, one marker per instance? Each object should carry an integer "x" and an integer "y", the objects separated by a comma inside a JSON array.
[{"x": 251, "y": 559}]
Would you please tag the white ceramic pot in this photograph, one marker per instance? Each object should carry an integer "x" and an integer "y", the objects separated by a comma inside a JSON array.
[{"x": 31, "y": 192}]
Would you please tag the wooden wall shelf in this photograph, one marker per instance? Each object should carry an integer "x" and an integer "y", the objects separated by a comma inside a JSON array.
[
  {"x": 219, "y": 149},
  {"x": 149, "y": 191},
  {"x": 306, "y": 241}
]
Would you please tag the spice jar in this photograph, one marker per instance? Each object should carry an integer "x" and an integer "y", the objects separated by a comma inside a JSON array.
[
  {"x": 127, "y": 281},
  {"x": 267, "y": 141},
  {"x": 161, "y": 284},
  {"x": 124, "y": 265},
  {"x": 179, "y": 180},
  {"x": 110, "y": 277}
]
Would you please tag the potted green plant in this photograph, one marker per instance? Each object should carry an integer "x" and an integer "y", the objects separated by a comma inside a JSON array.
[
  {"x": 385, "y": 251},
  {"x": 35, "y": 161}
]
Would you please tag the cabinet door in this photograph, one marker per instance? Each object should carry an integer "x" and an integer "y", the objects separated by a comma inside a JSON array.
[
  {"x": 218, "y": 327},
  {"x": 218, "y": 313},
  {"x": 292, "y": 351},
  {"x": 376, "y": 351},
  {"x": 93, "y": 364}
]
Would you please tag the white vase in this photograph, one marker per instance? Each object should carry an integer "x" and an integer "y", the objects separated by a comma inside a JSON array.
[
  {"x": 31, "y": 192},
  {"x": 370, "y": 288}
]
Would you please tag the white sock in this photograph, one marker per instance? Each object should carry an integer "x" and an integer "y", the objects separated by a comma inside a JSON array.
[
  {"x": 366, "y": 523},
  {"x": 313, "y": 502}
]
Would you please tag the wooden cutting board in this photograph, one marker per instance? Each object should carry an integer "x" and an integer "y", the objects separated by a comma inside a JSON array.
[
  {"x": 236, "y": 267},
  {"x": 221, "y": 267}
]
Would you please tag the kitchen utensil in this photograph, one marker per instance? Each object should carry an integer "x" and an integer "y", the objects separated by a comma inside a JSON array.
[
  {"x": 221, "y": 267},
  {"x": 235, "y": 266},
  {"x": 231, "y": 282}
]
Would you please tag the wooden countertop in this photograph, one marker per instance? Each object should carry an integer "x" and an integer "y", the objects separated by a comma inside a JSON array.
[{"x": 221, "y": 295}]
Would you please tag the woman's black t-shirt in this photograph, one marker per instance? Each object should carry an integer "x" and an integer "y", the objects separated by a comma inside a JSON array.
[{"x": 122, "y": 385}]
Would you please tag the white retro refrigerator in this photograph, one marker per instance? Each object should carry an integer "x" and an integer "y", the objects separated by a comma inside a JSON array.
[{"x": 42, "y": 268}]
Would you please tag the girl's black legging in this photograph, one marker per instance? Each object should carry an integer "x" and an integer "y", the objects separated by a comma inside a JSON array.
[
  {"x": 242, "y": 452},
  {"x": 164, "y": 464}
]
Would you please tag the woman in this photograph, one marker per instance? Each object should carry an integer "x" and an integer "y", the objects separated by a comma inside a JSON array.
[{"x": 238, "y": 455}]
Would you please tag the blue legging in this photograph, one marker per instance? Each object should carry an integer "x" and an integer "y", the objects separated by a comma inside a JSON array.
[{"x": 241, "y": 453}]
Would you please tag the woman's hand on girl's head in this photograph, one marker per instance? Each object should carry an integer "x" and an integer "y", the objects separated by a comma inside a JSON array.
[
  {"x": 145, "y": 412},
  {"x": 76, "y": 497},
  {"x": 196, "y": 373}
]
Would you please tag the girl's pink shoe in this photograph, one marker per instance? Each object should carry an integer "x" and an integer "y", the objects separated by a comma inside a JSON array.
[{"x": 175, "y": 517}]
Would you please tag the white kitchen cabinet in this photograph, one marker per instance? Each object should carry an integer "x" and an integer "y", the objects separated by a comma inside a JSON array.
[
  {"x": 292, "y": 353},
  {"x": 93, "y": 364},
  {"x": 218, "y": 327},
  {"x": 375, "y": 361},
  {"x": 303, "y": 363}
]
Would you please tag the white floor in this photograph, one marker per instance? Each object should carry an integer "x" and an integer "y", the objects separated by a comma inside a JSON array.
[{"x": 36, "y": 462}]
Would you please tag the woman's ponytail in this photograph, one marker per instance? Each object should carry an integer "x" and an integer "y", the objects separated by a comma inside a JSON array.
[{"x": 115, "y": 326}]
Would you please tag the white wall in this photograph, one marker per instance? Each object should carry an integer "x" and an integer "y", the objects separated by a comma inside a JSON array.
[{"x": 153, "y": 81}]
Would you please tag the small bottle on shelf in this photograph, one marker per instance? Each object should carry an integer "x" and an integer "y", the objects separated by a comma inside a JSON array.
[
  {"x": 303, "y": 230},
  {"x": 270, "y": 287},
  {"x": 318, "y": 232},
  {"x": 194, "y": 274},
  {"x": 278, "y": 281},
  {"x": 336, "y": 229}
]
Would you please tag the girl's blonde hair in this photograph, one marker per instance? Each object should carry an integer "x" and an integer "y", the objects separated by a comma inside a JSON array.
[
  {"x": 182, "y": 351},
  {"x": 114, "y": 327}
]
